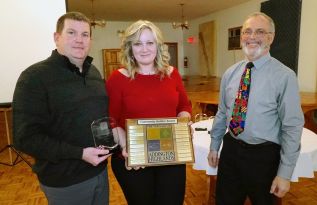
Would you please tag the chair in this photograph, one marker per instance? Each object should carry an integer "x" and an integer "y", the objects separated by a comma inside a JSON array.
[
  {"x": 210, "y": 109},
  {"x": 200, "y": 117},
  {"x": 311, "y": 120}
]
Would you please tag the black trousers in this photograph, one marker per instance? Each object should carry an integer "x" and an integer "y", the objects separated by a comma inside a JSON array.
[
  {"x": 161, "y": 185},
  {"x": 246, "y": 170}
]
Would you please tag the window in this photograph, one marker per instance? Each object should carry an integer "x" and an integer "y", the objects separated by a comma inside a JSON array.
[{"x": 234, "y": 38}]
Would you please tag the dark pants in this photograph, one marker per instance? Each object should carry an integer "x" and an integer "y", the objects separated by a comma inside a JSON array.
[
  {"x": 246, "y": 170},
  {"x": 151, "y": 185},
  {"x": 94, "y": 191}
]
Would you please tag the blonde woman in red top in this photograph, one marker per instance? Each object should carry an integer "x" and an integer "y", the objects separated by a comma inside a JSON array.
[{"x": 147, "y": 87}]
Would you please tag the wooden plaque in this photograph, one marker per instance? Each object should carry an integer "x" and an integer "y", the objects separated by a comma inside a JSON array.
[{"x": 158, "y": 141}]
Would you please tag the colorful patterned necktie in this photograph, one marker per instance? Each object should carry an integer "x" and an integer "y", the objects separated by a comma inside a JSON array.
[{"x": 240, "y": 107}]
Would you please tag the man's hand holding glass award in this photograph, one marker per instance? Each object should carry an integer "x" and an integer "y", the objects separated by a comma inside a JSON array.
[{"x": 104, "y": 133}]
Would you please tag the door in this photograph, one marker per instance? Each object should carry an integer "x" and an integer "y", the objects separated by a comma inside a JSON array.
[
  {"x": 111, "y": 61},
  {"x": 207, "y": 49},
  {"x": 172, "y": 49}
]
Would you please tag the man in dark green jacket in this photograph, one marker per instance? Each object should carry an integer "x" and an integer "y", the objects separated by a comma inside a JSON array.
[{"x": 54, "y": 104}]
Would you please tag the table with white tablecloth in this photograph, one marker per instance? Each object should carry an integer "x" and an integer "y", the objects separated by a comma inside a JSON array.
[{"x": 305, "y": 166}]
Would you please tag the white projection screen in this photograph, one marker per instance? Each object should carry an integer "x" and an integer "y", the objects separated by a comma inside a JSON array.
[{"x": 26, "y": 37}]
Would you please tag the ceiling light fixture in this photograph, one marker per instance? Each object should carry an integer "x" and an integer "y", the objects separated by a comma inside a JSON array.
[
  {"x": 183, "y": 24},
  {"x": 93, "y": 21},
  {"x": 120, "y": 33}
]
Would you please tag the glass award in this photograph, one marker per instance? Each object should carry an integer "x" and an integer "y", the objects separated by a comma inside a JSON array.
[{"x": 103, "y": 133}]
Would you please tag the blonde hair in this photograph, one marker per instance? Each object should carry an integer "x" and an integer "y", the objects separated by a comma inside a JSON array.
[{"x": 131, "y": 35}]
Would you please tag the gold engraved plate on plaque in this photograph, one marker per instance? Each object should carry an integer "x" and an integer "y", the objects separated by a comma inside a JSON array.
[{"x": 159, "y": 141}]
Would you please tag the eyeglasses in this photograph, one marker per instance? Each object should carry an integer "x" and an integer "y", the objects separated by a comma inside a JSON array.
[{"x": 257, "y": 33}]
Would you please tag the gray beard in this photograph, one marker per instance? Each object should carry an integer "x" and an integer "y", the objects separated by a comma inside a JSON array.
[{"x": 254, "y": 54}]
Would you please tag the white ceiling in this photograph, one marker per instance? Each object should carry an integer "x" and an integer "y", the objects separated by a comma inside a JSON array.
[{"x": 153, "y": 10}]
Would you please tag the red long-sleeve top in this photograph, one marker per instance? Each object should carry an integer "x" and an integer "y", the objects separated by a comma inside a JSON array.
[{"x": 147, "y": 96}]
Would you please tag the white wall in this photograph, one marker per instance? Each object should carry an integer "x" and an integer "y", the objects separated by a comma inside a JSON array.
[
  {"x": 307, "y": 61},
  {"x": 225, "y": 19},
  {"x": 233, "y": 17},
  {"x": 26, "y": 37},
  {"x": 105, "y": 38}
]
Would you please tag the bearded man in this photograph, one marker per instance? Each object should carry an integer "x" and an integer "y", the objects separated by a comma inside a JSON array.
[{"x": 260, "y": 108}]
